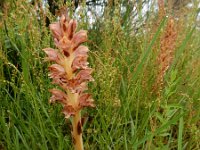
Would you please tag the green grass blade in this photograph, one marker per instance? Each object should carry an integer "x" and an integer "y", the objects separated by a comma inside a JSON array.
[{"x": 180, "y": 132}]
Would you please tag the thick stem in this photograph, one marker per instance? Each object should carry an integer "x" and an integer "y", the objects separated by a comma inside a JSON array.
[{"x": 77, "y": 131}]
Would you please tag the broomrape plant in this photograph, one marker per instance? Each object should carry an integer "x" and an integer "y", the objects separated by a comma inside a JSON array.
[{"x": 70, "y": 72}]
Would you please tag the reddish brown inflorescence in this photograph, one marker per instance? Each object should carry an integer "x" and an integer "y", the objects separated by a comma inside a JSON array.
[
  {"x": 70, "y": 70},
  {"x": 166, "y": 54}
]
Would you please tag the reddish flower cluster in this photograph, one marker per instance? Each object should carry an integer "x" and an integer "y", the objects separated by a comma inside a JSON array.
[
  {"x": 166, "y": 54},
  {"x": 70, "y": 71}
]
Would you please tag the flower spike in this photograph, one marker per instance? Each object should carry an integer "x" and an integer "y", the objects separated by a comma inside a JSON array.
[{"x": 70, "y": 71}]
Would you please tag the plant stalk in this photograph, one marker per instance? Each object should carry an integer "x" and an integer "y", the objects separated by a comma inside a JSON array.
[{"x": 77, "y": 131}]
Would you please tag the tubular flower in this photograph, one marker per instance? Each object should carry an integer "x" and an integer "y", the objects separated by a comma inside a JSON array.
[{"x": 70, "y": 71}]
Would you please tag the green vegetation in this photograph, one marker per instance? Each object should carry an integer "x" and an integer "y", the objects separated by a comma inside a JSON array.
[{"x": 130, "y": 112}]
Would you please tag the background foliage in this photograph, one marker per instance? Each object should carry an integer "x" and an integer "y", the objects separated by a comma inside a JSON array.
[{"x": 124, "y": 40}]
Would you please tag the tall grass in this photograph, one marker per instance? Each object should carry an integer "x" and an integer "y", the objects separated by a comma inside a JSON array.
[{"x": 125, "y": 70}]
